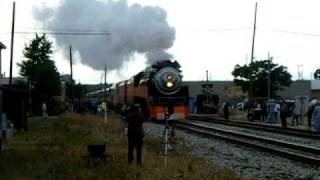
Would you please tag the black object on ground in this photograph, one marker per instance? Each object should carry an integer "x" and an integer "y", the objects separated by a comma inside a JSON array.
[{"x": 96, "y": 152}]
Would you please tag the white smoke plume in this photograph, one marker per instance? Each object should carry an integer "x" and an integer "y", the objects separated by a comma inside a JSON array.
[{"x": 133, "y": 29}]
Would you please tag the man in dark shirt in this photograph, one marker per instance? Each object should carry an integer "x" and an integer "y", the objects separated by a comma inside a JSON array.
[
  {"x": 284, "y": 109},
  {"x": 135, "y": 133},
  {"x": 309, "y": 113},
  {"x": 264, "y": 111},
  {"x": 226, "y": 110}
]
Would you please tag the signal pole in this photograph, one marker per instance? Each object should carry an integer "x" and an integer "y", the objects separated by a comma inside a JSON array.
[{"x": 12, "y": 40}]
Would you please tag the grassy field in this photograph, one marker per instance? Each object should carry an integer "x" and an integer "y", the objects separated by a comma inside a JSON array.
[{"x": 53, "y": 149}]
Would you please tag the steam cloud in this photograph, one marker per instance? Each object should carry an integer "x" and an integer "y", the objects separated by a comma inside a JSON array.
[{"x": 133, "y": 29}]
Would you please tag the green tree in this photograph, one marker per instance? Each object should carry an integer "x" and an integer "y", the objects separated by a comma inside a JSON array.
[
  {"x": 78, "y": 92},
  {"x": 255, "y": 76},
  {"x": 41, "y": 71}
]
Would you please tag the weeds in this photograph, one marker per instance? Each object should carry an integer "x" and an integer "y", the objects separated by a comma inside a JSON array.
[{"x": 54, "y": 149}]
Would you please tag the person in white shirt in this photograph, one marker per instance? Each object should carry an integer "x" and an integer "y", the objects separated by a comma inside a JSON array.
[{"x": 44, "y": 110}]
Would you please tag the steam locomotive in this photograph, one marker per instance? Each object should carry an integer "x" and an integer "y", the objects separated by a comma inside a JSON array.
[{"x": 157, "y": 89}]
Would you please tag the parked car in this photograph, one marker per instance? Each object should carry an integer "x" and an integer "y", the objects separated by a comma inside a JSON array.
[{"x": 241, "y": 106}]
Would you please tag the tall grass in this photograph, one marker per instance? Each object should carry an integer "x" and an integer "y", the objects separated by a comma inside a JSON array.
[{"x": 54, "y": 149}]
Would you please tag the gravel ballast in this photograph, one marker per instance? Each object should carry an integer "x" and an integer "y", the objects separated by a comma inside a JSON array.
[{"x": 246, "y": 162}]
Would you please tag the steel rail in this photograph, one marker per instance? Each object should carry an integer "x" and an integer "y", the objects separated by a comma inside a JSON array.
[
  {"x": 267, "y": 128},
  {"x": 280, "y": 148}
]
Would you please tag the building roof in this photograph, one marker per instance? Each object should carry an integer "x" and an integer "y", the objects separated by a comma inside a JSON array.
[{"x": 2, "y": 46}]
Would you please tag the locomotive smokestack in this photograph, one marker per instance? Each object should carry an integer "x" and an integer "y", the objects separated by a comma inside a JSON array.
[{"x": 133, "y": 29}]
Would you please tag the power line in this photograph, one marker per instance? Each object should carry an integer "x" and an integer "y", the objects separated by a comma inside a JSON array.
[
  {"x": 63, "y": 33},
  {"x": 79, "y": 32},
  {"x": 64, "y": 30},
  {"x": 229, "y": 29},
  {"x": 290, "y": 32},
  {"x": 264, "y": 29},
  {"x": 54, "y": 31},
  {"x": 66, "y": 33}
]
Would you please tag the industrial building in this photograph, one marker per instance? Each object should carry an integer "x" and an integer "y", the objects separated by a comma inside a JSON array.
[
  {"x": 226, "y": 89},
  {"x": 13, "y": 104}
]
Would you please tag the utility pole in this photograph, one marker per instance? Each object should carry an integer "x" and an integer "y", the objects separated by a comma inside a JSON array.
[
  {"x": 101, "y": 82},
  {"x": 105, "y": 83},
  {"x": 105, "y": 93},
  {"x": 12, "y": 38},
  {"x": 269, "y": 74},
  {"x": 300, "y": 72},
  {"x": 207, "y": 86},
  {"x": 254, "y": 33},
  {"x": 207, "y": 92},
  {"x": 250, "y": 92},
  {"x": 71, "y": 78}
]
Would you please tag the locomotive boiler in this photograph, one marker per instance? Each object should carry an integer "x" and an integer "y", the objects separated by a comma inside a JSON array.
[{"x": 157, "y": 89}]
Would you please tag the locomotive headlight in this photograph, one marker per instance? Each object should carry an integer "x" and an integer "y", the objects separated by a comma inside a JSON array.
[
  {"x": 169, "y": 84},
  {"x": 167, "y": 80}
]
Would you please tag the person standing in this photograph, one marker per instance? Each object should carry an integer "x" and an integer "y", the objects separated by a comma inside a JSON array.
[
  {"x": 104, "y": 109},
  {"x": 124, "y": 113},
  {"x": 257, "y": 111},
  {"x": 263, "y": 111},
  {"x": 250, "y": 111},
  {"x": 316, "y": 116},
  {"x": 226, "y": 110},
  {"x": 309, "y": 113},
  {"x": 271, "y": 111},
  {"x": 277, "y": 111},
  {"x": 44, "y": 110},
  {"x": 284, "y": 109},
  {"x": 99, "y": 109},
  {"x": 135, "y": 134},
  {"x": 295, "y": 115}
]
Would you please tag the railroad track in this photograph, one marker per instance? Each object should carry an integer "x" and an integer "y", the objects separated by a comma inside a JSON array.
[
  {"x": 297, "y": 152},
  {"x": 267, "y": 128}
]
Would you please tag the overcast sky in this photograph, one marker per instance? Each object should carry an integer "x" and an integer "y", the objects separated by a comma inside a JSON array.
[{"x": 202, "y": 35}]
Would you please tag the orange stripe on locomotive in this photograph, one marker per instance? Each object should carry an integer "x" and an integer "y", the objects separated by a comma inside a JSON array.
[{"x": 179, "y": 112}]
